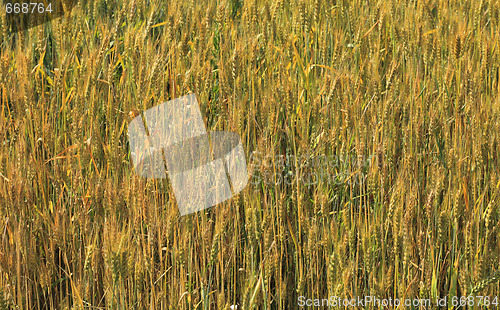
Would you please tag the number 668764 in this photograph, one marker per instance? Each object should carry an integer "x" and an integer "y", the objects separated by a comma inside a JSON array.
[{"x": 28, "y": 8}]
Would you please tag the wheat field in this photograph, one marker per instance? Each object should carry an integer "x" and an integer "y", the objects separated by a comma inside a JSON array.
[{"x": 395, "y": 102}]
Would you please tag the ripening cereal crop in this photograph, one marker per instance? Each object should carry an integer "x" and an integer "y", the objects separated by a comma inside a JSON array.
[{"x": 371, "y": 131}]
